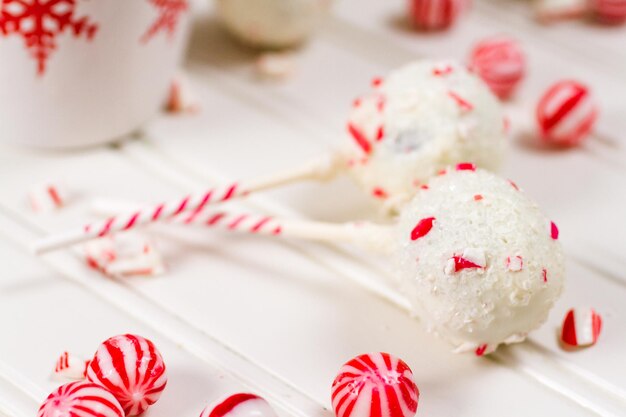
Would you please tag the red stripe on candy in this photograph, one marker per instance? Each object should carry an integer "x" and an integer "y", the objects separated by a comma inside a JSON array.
[
  {"x": 466, "y": 166},
  {"x": 230, "y": 192},
  {"x": 260, "y": 224},
  {"x": 226, "y": 406},
  {"x": 182, "y": 206}
]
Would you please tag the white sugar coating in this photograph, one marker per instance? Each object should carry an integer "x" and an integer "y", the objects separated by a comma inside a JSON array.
[
  {"x": 425, "y": 127},
  {"x": 272, "y": 23},
  {"x": 479, "y": 213}
]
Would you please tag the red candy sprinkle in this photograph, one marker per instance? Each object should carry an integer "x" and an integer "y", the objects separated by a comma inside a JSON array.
[
  {"x": 422, "y": 228},
  {"x": 544, "y": 275},
  {"x": 377, "y": 81},
  {"x": 554, "y": 231},
  {"x": 380, "y": 133},
  {"x": 375, "y": 385},
  {"x": 379, "y": 193},
  {"x": 463, "y": 104},
  {"x": 566, "y": 113},
  {"x": 461, "y": 263},
  {"x": 441, "y": 71},
  {"x": 466, "y": 166},
  {"x": 480, "y": 350},
  {"x": 581, "y": 327},
  {"x": 478, "y": 197},
  {"x": 515, "y": 263},
  {"x": 359, "y": 138}
]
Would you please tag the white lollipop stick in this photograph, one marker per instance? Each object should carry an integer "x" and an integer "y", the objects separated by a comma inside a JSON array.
[
  {"x": 371, "y": 236},
  {"x": 192, "y": 205}
]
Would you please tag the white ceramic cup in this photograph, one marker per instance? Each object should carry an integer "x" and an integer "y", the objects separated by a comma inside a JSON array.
[{"x": 97, "y": 70}]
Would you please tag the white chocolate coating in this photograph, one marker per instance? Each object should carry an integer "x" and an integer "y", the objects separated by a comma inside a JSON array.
[
  {"x": 421, "y": 118},
  {"x": 272, "y": 23},
  {"x": 503, "y": 244}
]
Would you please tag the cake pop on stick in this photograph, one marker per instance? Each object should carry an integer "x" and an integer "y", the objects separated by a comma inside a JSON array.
[
  {"x": 478, "y": 261},
  {"x": 421, "y": 118}
]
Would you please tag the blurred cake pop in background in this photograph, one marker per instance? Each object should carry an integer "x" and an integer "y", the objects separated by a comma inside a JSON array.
[{"x": 272, "y": 23}]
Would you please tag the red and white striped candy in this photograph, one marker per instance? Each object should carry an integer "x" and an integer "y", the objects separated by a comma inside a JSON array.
[
  {"x": 435, "y": 14},
  {"x": 375, "y": 385},
  {"x": 240, "y": 405},
  {"x": 612, "y": 12},
  {"x": 80, "y": 399},
  {"x": 581, "y": 327},
  {"x": 132, "y": 369},
  {"x": 500, "y": 62},
  {"x": 566, "y": 113},
  {"x": 69, "y": 366},
  {"x": 129, "y": 254},
  {"x": 47, "y": 197},
  {"x": 180, "y": 98}
]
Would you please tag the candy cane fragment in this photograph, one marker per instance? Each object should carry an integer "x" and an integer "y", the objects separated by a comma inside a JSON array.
[{"x": 581, "y": 327}]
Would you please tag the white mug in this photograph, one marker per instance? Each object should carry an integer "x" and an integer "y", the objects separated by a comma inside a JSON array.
[{"x": 81, "y": 72}]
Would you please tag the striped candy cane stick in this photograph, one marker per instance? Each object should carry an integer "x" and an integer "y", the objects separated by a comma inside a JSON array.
[
  {"x": 192, "y": 205},
  {"x": 370, "y": 236}
]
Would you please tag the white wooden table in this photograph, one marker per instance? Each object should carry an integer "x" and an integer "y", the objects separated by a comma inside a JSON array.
[{"x": 279, "y": 318}]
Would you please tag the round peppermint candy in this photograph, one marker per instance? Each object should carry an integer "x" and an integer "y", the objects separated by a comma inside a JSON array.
[
  {"x": 435, "y": 14},
  {"x": 581, "y": 327},
  {"x": 611, "y": 12},
  {"x": 500, "y": 62},
  {"x": 375, "y": 385},
  {"x": 566, "y": 113},
  {"x": 80, "y": 399},
  {"x": 132, "y": 369}
]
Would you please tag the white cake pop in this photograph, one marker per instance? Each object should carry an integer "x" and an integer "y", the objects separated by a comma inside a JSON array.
[
  {"x": 479, "y": 261},
  {"x": 421, "y": 118},
  {"x": 272, "y": 23}
]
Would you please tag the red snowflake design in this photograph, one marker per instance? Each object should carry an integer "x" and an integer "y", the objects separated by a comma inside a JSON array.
[
  {"x": 169, "y": 15},
  {"x": 39, "y": 22}
]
